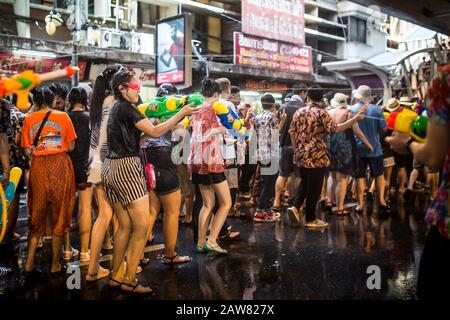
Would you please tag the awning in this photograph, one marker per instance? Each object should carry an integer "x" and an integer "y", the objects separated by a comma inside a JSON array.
[
  {"x": 359, "y": 71},
  {"x": 418, "y": 33},
  {"x": 387, "y": 59}
]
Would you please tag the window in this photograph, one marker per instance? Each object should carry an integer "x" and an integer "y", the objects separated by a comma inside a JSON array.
[{"x": 357, "y": 29}]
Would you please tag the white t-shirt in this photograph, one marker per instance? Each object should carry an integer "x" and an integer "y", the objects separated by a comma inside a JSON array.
[{"x": 229, "y": 151}]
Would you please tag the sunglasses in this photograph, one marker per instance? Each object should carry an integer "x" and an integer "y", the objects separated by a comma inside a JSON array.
[{"x": 134, "y": 85}]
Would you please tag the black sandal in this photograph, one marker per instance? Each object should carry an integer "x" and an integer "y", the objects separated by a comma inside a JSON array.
[
  {"x": 115, "y": 281},
  {"x": 172, "y": 262},
  {"x": 134, "y": 288}
]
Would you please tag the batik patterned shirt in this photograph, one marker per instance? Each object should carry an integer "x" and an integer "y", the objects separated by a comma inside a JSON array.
[{"x": 310, "y": 128}]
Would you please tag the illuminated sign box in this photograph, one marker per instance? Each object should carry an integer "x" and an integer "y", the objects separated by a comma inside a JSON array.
[
  {"x": 282, "y": 20},
  {"x": 173, "y": 50},
  {"x": 270, "y": 54}
]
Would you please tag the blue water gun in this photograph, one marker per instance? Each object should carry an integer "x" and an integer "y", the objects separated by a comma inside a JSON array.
[
  {"x": 7, "y": 197},
  {"x": 230, "y": 120}
]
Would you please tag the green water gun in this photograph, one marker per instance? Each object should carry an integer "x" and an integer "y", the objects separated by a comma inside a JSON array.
[{"x": 164, "y": 108}]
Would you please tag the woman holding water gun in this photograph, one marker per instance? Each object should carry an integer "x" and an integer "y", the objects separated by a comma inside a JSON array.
[
  {"x": 123, "y": 177},
  {"x": 434, "y": 279},
  {"x": 101, "y": 103},
  {"x": 167, "y": 190},
  {"x": 207, "y": 166}
]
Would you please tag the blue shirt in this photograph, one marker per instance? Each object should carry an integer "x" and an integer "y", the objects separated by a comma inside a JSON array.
[{"x": 371, "y": 129}]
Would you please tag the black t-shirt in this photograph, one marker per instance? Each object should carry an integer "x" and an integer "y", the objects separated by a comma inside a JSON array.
[
  {"x": 80, "y": 121},
  {"x": 290, "y": 108},
  {"x": 123, "y": 136}
]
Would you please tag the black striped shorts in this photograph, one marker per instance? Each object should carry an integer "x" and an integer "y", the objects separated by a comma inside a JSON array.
[{"x": 124, "y": 180}]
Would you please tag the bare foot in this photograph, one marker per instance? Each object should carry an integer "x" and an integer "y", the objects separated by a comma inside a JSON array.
[
  {"x": 176, "y": 259},
  {"x": 55, "y": 269}
]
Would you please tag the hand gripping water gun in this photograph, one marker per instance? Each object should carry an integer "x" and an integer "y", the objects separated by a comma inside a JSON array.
[
  {"x": 407, "y": 121},
  {"x": 166, "y": 107},
  {"x": 230, "y": 120},
  {"x": 22, "y": 83},
  {"x": 7, "y": 197}
]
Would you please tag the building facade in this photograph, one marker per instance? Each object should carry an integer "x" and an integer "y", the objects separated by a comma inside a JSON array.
[{"x": 124, "y": 31}]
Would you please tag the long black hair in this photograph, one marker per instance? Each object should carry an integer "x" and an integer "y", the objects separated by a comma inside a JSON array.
[{"x": 102, "y": 89}]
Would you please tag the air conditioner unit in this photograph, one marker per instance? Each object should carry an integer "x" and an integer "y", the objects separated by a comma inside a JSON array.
[
  {"x": 125, "y": 41},
  {"x": 110, "y": 38}
]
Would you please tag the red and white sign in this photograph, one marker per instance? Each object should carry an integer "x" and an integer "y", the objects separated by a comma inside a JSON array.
[
  {"x": 264, "y": 53},
  {"x": 281, "y": 20},
  {"x": 171, "y": 77},
  {"x": 11, "y": 65}
]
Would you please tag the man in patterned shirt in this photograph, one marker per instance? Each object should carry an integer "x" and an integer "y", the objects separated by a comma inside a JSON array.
[
  {"x": 310, "y": 128},
  {"x": 266, "y": 127}
]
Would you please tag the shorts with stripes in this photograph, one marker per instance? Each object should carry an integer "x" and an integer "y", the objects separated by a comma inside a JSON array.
[{"x": 124, "y": 180}]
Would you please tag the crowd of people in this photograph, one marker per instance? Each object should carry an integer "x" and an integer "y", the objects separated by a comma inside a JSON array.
[{"x": 94, "y": 148}]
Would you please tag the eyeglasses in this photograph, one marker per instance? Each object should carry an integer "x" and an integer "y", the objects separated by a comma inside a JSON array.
[{"x": 134, "y": 85}]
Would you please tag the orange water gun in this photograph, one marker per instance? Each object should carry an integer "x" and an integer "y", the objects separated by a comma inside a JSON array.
[{"x": 22, "y": 83}]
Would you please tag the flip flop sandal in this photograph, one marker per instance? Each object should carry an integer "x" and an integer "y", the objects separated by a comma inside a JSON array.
[
  {"x": 97, "y": 276},
  {"x": 172, "y": 262},
  {"x": 342, "y": 212}
]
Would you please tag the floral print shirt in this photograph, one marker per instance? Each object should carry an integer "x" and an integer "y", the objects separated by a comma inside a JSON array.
[
  {"x": 206, "y": 146},
  {"x": 438, "y": 102},
  {"x": 309, "y": 129},
  {"x": 17, "y": 155}
]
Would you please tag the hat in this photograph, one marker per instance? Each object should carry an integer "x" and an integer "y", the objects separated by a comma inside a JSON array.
[
  {"x": 339, "y": 101},
  {"x": 363, "y": 93},
  {"x": 393, "y": 104},
  {"x": 405, "y": 101}
]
